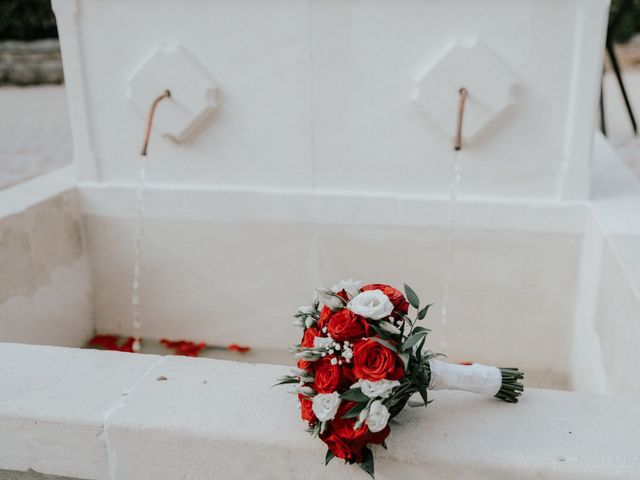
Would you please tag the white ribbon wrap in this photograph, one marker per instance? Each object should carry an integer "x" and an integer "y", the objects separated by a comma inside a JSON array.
[{"x": 475, "y": 378}]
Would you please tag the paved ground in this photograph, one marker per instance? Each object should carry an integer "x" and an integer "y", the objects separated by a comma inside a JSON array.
[
  {"x": 35, "y": 136},
  {"x": 619, "y": 129},
  {"x": 34, "y": 132}
]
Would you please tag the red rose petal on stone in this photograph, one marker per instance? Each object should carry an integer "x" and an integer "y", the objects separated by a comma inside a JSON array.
[{"x": 234, "y": 347}]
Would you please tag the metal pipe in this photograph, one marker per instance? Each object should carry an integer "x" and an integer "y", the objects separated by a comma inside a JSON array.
[
  {"x": 458, "y": 140},
  {"x": 152, "y": 111}
]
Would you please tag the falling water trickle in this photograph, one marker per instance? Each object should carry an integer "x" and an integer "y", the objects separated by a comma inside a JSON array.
[
  {"x": 137, "y": 255},
  {"x": 454, "y": 187}
]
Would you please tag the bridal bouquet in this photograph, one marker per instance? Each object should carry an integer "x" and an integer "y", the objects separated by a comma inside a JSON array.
[{"x": 360, "y": 360}]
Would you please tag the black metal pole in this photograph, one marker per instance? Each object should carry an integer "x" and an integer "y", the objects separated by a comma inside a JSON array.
[{"x": 616, "y": 69}]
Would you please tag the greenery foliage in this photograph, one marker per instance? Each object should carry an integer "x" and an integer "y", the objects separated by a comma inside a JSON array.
[
  {"x": 26, "y": 20},
  {"x": 629, "y": 24}
]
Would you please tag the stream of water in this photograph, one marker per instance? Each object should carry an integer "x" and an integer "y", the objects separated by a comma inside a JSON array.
[
  {"x": 137, "y": 255},
  {"x": 454, "y": 187}
]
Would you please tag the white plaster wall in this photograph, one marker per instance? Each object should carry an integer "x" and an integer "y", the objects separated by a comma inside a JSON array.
[
  {"x": 318, "y": 94},
  {"x": 45, "y": 294}
]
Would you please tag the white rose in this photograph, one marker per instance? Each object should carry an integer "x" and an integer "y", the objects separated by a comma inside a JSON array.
[
  {"x": 378, "y": 416},
  {"x": 348, "y": 286},
  {"x": 381, "y": 388},
  {"x": 322, "y": 342},
  {"x": 371, "y": 304},
  {"x": 325, "y": 405},
  {"x": 326, "y": 297}
]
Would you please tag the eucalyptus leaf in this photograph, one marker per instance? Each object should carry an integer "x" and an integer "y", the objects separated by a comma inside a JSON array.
[
  {"x": 328, "y": 457},
  {"x": 423, "y": 313},
  {"x": 412, "y": 340},
  {"x": 419, "y": 350},
  {"x": 405, "y": 359},
  {"x": 355, "y": 411},
  {"x": 423, "y": 393},
  {"x": 385, "y": 343},
  {"x": 412, "y": 296},
  {"x": 380, "y": 331},
  {"x": 420, "y": 329},
  {"x": 367, "y": 462},
  {"x": 355, "y": 395},
  {"x": 287, "y": 381},
  {"x": 390, "y": 328}
]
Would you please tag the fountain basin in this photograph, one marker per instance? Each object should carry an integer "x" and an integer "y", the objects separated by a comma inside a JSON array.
[
  {"x": 317, "y": 166},
  {"x": 550, "y": 287}
]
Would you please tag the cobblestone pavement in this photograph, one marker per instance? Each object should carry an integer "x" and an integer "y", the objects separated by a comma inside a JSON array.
[{"x": 35, "y": 137}]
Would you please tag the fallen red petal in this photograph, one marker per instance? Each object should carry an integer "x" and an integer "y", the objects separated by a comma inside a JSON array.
[{"x": 234, "y": 347}]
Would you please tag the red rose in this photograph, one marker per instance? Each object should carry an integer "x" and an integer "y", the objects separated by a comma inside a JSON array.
[
  {"x": 307, "y": 342},
  {"x": 396, "y": 297},
  {"x": 328, "y": 377},
  {"x": 373, "y": 361},
  {"x": 325, "y": 315},
  {"x": 308, "y": 337},
  {"x": 305, "y": 365},
  {"x": 346, "y": 442},
  {"x": 347, "y": 374},
  {"x": 306, "y": 410},
  {"x": 341, "y": 448},
  {"x": 346, "y": 325}
]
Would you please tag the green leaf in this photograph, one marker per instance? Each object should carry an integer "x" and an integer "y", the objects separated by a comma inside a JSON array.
[
  {"x": 420, "y": 329},
  {"x": 405, "y": 359},
  {"x": 423, "y": 313},
  {"x": 355, "y": 395},
  {"x": 367, "y": 462},
  {"x": 355, "y": 411},
  {"x": 285, "y": 382},
  {"x": 423, "y": 393},
  {"x": 328, "y": 457},
  {"x": 390, "y": 328},
  {"x": 412, "y": 296},
  {"x": 380, "y": 331},
  {"x": 385, "y": 343},
  {"x": 419, "y": 350},
  {"x": 412, "y": 340}
]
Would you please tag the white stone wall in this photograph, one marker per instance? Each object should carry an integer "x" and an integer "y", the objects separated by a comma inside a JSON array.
[
  {"x": 45, "y": 292},
  {"x": 318, "y": 95},
  {"x": 142, "y": 416}
]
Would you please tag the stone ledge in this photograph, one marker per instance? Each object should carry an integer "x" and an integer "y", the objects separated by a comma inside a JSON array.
[{"x": 63, "y": 412}]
